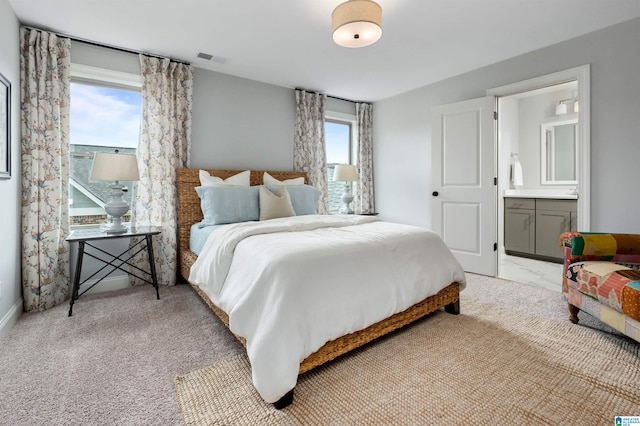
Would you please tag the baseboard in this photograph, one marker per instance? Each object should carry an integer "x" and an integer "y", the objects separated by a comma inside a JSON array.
[
  {"x": 118, "y": 282},
  {"x": 10, "y": 319}
]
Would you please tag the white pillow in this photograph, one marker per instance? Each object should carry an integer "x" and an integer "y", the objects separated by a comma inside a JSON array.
[
  {"x": 241, "y": 179},
  {"x": 275, "y": 205},
  {"x": 267, "y": 179}
]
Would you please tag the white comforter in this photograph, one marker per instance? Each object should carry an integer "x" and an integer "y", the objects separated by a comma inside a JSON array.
[{"x": 290, "y": 285}]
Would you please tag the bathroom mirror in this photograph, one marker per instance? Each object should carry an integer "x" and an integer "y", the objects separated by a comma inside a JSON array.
[{"x": 558, "y": 142}]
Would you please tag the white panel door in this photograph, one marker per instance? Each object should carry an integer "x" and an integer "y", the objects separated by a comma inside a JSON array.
[{"x": 463, "y": 207}]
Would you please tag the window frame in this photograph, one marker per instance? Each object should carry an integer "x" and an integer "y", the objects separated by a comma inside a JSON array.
[
  {"x": 99, "y": 77},
  {"x": 350, "y": 120}
]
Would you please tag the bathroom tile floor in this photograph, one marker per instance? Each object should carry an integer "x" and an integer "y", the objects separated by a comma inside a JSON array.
[{"x": 530, "y": 271}]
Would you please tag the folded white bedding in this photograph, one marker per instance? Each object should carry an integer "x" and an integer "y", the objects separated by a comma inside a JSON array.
[{"x": 290, "y": 285}]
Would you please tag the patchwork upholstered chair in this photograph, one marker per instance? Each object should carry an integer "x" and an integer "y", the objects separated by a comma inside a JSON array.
[{"x": 601, "y": 277}]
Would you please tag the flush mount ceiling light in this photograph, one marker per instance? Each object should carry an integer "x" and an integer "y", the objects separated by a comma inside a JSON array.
[{"x": 357, "y": 23}]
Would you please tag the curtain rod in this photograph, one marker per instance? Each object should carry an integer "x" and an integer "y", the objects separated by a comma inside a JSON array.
[
  {"x": 333, "y": 97},
  {"x": 108, "y": 46}
]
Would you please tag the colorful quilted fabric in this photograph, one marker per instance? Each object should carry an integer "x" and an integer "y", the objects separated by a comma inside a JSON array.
[
  {"x": 601, "y": 276},
  {"x": 604, "y": 246},
  {"x": 601, "y": 245},
  {"x": 614, "y": 285},
  {"x": 585, "y": 246},
  {"x": 615, "y": 319}
]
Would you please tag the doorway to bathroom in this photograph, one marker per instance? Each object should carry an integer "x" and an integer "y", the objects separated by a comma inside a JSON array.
[{"x": 543, "y": 173}]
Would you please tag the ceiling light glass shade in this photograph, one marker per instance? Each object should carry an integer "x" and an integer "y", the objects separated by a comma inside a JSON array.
[
  {"x": 561, "y": 109},
  {"x": 357, "y": 23}
]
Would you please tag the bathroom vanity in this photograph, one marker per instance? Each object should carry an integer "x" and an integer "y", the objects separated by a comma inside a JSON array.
[{"x": 533, "y": 224}]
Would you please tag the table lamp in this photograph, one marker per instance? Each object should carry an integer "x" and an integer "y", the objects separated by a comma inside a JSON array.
[
  {"x": 115, "y": 167},
  {"x": 346, "y": 173}
]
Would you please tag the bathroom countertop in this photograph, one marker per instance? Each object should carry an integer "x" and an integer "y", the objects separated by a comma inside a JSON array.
[{"x": 541, "y": 193}]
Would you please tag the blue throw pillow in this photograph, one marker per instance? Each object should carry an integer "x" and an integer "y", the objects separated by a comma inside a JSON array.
[
  {"x": 304, "y": 198},
  {"x": 228, "y": 204}
]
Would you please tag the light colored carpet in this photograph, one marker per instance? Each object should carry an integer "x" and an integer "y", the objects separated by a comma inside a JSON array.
[
  {"x": 115, "y": 361},
  {"x": 112, "y": 363},
  {"x": 489, "y": 365}
]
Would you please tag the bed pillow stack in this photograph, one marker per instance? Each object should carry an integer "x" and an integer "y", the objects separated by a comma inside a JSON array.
[
  {"x": 228, "y": 200},
  {"x": 233, "y": 200},
  {"x": 304, "y": 198}
]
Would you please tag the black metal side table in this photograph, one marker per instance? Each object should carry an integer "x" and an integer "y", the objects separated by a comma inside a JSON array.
[{"x": 85, "y": 237}]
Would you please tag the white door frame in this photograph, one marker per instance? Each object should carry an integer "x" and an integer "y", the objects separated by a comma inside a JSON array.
[{"x": 582, "y": 75}]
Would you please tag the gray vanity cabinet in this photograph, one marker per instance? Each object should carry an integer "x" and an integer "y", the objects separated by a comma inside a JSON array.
[
  {"x": 520, "y": 225},
  {"x": 553, "y": 217},
  {"x": 532, "y": 226}
]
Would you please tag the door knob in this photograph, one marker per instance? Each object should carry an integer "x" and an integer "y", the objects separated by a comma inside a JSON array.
[{"x": 434, "y": 193}]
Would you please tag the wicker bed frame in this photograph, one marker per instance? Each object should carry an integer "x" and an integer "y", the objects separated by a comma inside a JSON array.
[{"x": 189, "y": 212}]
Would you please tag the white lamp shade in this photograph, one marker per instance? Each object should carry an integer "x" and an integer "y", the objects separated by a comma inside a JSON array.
[
  {"x": 345, "y": 173},
  {"x": 561, "y": 109},
  {"x": 120, "y": 167},
  {"x": 357, "y": 23}
]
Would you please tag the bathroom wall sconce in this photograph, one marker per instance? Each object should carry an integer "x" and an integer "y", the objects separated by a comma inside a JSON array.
[{"x": 561, "y": 108}]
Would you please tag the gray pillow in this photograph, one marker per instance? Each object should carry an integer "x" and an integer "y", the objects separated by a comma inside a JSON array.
[{"x": 228, "y": 204}]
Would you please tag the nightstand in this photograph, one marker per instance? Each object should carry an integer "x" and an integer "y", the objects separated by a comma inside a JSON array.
[
  {"x": 368, "y": 214},
  {"x": 87, "y": 237}
]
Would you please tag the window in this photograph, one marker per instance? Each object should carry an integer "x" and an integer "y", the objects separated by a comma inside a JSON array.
[
  {"x": 340, "y": 143},
  {"x": 105, "y": 116}
]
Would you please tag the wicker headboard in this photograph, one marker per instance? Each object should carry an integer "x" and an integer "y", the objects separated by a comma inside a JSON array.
[{"x": 189, "y": 211}]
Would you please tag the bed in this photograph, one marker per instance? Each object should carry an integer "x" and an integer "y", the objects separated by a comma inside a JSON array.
[{"x": 446, "y": 294}]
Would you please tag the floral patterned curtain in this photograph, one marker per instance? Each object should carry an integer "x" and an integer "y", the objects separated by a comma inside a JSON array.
[
  {"x": 364, "y": 196},
  {"x": 45, "y": 80},
  {"x": 309, "y": 152},
  {"x": 164, "y": 145}
]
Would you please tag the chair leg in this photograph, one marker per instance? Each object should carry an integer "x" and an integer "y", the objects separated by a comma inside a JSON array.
[{"x": 573, "y": 314}]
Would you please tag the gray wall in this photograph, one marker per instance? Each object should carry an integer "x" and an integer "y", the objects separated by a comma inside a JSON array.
[
  {"x": 402, "y": 127},
  {"x": 534, "y": 111},
  {"x": 241, "y": 124},
  {"x": 245, "y": 124},
  {"x": 10, "y": 287}
]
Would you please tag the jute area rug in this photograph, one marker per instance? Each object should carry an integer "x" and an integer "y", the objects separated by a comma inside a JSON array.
[{"x": 490, "y": 365}]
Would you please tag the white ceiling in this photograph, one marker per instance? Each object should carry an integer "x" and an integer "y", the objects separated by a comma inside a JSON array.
[{"x": 288, "y": 42}]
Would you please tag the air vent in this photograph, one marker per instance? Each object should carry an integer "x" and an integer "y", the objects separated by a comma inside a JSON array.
[
  {"x": 209, "y": 57},
  {"x": 205, "y": 56}
]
